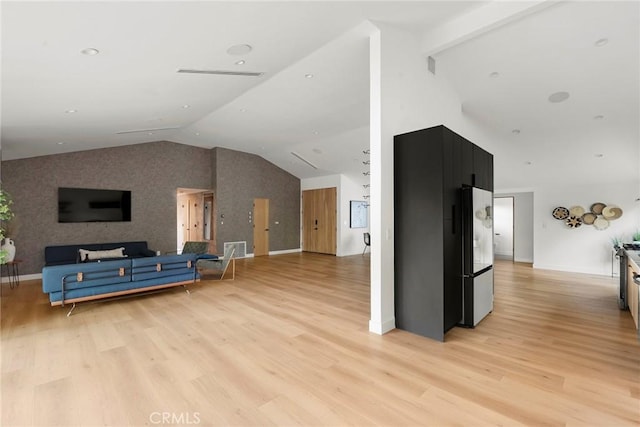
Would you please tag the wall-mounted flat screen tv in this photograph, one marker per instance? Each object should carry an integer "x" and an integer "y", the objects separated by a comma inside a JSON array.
[{"x": 92, "y": 205}]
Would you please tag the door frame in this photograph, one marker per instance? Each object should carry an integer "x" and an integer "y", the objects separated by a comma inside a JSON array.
[{"x": 204, "y": 194}]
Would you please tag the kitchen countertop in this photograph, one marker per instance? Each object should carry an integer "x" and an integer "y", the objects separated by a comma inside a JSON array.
[{"x": 634, "y": 257}]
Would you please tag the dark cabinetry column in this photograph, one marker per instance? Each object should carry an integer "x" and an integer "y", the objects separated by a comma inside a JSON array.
[
  {"x": 430, "y": 167},
  {"x": 418, "y": 170}
]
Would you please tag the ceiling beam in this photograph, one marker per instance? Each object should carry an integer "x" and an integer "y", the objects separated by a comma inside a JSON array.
[{"x": 478, "y": 21}]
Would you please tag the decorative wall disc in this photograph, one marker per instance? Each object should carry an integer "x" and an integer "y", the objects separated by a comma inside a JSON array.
[
  {"x": 611, "y": 212},
  {"x": 576, "y": 211},
  {"x": 560, "y": 213},
  {"x": 574, "y": 222},
  {"x": 589, "y": 218},
  {"x": 597, "y": 208},
  {"x": 601, "y": 223}
]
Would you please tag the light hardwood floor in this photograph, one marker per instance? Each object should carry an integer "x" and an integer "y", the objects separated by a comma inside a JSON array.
[{"x": 287, "y": 343}]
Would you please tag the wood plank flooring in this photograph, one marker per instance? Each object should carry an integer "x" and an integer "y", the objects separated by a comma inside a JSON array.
[{"x": 287, "y": 344}]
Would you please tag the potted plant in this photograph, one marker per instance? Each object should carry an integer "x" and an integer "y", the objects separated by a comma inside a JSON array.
[
  {"x": 617, "y": 242},
  {"x": 5, "y": 215},
  {"x": 636, "y": 237}
]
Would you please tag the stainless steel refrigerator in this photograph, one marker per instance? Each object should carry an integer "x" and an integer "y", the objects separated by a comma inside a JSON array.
[{"x": 477, "y": 244}]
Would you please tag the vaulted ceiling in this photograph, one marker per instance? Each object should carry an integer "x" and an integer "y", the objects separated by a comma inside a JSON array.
[{"x": 313, "y": 96}]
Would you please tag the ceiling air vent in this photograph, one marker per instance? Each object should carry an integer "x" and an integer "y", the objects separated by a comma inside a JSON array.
[
  {"x": 304, "y": 160},
  {"x": 147, "y": 130},
  {"x": 222, "y": 72}
]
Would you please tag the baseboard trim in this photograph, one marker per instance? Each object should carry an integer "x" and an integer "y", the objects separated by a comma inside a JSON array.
[
  {"x": 24, "y": 277},
  {"x": 382, "y": 328},
  {"x": 571, "y": 270},
  {"x": 285, "y": 251}
]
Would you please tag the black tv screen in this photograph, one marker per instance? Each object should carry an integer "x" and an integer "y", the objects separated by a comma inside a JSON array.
[{"x": 92, "y": 205}]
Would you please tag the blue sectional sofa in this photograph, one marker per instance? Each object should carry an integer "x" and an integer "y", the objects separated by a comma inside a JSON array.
[{"x": 71, "y": 283}]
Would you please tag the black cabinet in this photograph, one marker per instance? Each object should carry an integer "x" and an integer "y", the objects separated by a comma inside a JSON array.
[
  {"x": 482, "y": 169},
  {"x": 430, "y": 168}
]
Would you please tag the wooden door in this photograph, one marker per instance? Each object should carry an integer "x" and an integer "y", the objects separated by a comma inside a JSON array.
[
  {"x": 327, "y": 221},
  {"x": 260, "y": 227},
  {"x": 309, "y": 221},
  {"x": 319, "y": 220},
  {"x": 190, "y": 216},
  {"x": 209, "y": 222}
]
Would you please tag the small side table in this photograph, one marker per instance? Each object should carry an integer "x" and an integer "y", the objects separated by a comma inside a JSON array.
[{"x": 13, "y": 272}]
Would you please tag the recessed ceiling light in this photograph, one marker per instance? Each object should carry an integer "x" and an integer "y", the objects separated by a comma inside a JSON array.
[
  {"x": 243, "y": 110},
  {"x": 90, "y": 51},
  {"x": 598, "y": 117},
  {"x": 528, "y": 163},
  {"x": 150, "y": 133},
  {"x": 241, "y": 62},
  {"x": 197, "y": 133},
  {"x": 494, "y": 75},
  {"x": 239, "y": 49},
  {"x": 308, "y": 76},
  {"x": 516, "y": 131},
  {"x": 315, "y": 132},
  {"x": 558, "y": 97},
  {"x": 186, "y": 106},
  {"x": 71, "y": 111},
  {"x": 601, "y": 42},
  {"x": 599, "y": 155},
  {"x": 60, "y": 143}
]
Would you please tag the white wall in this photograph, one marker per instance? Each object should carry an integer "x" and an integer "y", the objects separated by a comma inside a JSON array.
[
  {"x": 584, "y": 249},
  {"x": 349, "y": 241},
  {"x": 523, "y": 239}
]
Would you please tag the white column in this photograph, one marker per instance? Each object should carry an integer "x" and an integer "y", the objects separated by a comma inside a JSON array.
[{"x": 381, "y": 208}]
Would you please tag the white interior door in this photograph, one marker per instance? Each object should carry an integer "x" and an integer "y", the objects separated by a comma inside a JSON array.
[{"x": 503, "y": 227}]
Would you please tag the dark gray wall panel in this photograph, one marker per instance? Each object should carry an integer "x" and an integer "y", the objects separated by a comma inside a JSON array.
[{"x": 242, "y": 177}]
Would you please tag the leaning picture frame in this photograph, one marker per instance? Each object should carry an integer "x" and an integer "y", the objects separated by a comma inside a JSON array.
[{"x": 359, "y": 217}]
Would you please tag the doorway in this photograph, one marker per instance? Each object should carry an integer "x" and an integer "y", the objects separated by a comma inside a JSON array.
[
  {"x": 260, "y": 227},
  {"x": 319, "y": 224},
  {"x": 503, "y": 227},
  {"x": 195, "y": 217}
]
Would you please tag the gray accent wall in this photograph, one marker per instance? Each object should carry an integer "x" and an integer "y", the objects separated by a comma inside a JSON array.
[
  {"x": 240, "y": 178},
  {"x": 153, "y": 172}
]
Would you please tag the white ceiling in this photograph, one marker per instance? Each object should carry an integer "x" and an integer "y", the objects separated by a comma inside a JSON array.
[{"x": 132, "y": 85}]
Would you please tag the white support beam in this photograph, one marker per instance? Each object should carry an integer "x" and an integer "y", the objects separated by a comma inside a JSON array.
[{"x": 478, "y": 21}]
